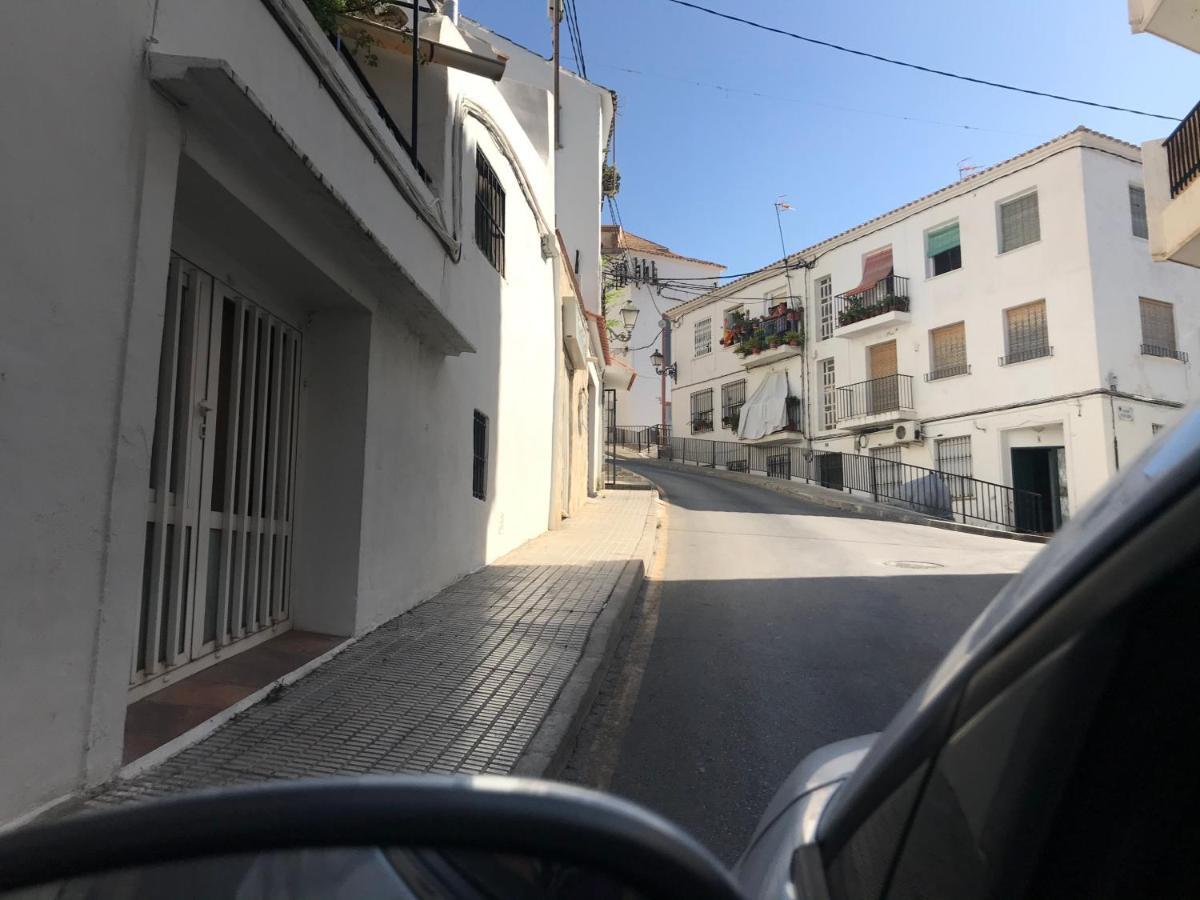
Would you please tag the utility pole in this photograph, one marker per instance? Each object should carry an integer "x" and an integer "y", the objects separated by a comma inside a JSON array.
[
  {"x": 780, "y": 205},
  {"x": 555, "y": 17},
  {"x": 662, "y": 378}
]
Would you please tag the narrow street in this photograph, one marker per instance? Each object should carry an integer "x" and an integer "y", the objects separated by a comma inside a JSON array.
[{"x": 769, "y": 627}]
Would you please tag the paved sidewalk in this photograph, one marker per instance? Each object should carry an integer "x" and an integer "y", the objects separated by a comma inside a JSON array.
[{"x": 459, "y": 684}]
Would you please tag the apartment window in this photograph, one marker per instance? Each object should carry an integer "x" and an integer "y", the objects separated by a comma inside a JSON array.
[
  {"x": 489, "y": 212},
  {"x": 825, "y": 305},
  {"x": 943, "y": 250},
  {"x": 954, "y": 458},
  {"x": 828, "y": 395},
  {"x": 479, "y": 463},
  {"x": 702, "y": 410},
  {"x": 733, "y": 398},
  {"x": 1137, "y": 211},
  {"x": 1019, "y": 222},
  {"x": 948, "y": 352},
  {"x": 1158, "y": 329},
  {"x": 702, "y": 336},
  {"x": 1025, "y": 333}
]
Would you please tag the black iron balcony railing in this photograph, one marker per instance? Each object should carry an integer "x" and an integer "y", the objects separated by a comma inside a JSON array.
[
  {"x": 928, "y": 491},
  {"x": 877, "y": 395},
  {"x": 1183, "y": 152},
  {"x": 948, "y": 372},
  {"x": 1021, "y": 354},
  {"x": 1165, "y": 352},
  {"x": 888, "y": 294}
]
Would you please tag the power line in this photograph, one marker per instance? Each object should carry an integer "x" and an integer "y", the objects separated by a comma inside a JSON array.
[
  {"x": 908, "y": 65},
  {"x": 572, "y": 15},
  {"x": 852, "y": 109}
]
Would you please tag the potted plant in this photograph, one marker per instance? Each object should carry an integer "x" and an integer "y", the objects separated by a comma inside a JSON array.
[
  {"x": 793, "y": 338},
  {"x": 777, "y": 310},
  {"x": 774, "y": 341}
]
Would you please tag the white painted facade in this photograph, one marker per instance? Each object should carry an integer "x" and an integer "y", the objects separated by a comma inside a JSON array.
[
  {"x": 229, "y": 136},
  {"x": 1097, "y": 395},
  {"x": 639, "y": 272}
]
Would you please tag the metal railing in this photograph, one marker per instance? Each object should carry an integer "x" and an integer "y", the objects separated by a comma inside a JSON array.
[
  {"x": 1037, "y": 351},
  {"x": 930, "y": 492},
  {"x": 1183, "y": 152},
  {"x": 1166, "y": 352},
  {"x": 876, "y": 395},
  {"x": 888, "y": 294},
  {"x": 947, "y": 372}
]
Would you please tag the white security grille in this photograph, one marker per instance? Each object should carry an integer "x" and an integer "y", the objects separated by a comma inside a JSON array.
[
  {"x": 825, "y": 305},
  {"x": 1137, "y": 211},
  {"x": 702, "y": 336},
  {"x": 828, "y": 395},
  {"x": 219, "y": 522}
]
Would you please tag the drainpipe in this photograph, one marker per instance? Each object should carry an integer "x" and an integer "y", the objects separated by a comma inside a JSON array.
[
  {"x": 556, "y": 417},
  {"x": 416, "y": 73},
  {"x": 557, "y": 5}
]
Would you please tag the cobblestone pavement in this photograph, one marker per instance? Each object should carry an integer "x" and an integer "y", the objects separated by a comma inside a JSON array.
[{"x": 458, "y": 684}]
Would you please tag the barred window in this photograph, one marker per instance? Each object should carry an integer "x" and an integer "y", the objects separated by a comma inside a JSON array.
[
  {"x": 702, "y": 336},
  {"x": 480, "y": 457},
  {"x": 1026, "y": 336},
  {"x": 733, "y": 398},
  {"x": 828, "y": 395},
  {"x": 1158, "y": 328},
  {"x": 948, "y": 351},
  {"x": 1155, "y": 428},
  {"x": 702, "y": 411},
  {"x": 1019, "y": 222},
  {"x": 1137, "y": 211},
  {"x": 825, "y": 305},
  {"x": 954, "y": 458},
  {"x": 489, "y": 212}
]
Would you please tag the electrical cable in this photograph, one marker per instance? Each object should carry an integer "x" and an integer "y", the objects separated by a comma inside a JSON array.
[
  {"x": 573, "y": 21},
  {"x": 916, "y": 66}
]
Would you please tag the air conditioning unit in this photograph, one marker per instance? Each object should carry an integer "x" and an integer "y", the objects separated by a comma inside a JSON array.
[{"x": 907, "y": 432}]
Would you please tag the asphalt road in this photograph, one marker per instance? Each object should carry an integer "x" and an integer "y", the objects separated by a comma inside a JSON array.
[{"x": 769, "y": 627}]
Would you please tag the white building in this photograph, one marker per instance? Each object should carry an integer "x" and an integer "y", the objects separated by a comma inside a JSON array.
[
  {"x": 1010, "y": 327},
  {"x": 650, "y": 277},
  {"x": 1173, "y": 164},
  {"x": 264, "y": 368}
]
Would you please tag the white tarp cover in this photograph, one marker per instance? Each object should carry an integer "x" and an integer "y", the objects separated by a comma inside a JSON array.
[{"x": 766, "y": 410}]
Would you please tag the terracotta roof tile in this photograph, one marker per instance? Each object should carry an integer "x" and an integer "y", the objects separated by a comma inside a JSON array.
[{"x": 614, "y": 237}]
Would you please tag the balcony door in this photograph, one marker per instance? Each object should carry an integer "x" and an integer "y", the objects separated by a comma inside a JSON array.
[
  {"x": 219, "y": 511},
  {"x": 883, "y": 390}
]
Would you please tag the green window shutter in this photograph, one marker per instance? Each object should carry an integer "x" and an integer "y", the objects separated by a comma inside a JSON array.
[{"x": 941, "y": 240}]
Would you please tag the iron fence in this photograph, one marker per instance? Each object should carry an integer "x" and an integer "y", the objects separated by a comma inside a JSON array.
[
  {"x": 888, "y": 294},
  {"x": 931, "y": 492}
]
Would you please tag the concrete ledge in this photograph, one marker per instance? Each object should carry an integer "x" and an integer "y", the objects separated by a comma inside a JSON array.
[
  {"x": 840, "y": 500},
  {"x": 551, "y": 745}
]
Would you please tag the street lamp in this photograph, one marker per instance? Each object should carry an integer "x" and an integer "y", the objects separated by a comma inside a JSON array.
[
  {"x": 656, "y": 359},
  {"x": 629, "y": 315}
]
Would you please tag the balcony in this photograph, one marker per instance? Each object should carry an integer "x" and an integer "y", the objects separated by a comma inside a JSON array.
[
  {"x": 1171, "y": 20},
  {"x": 877, "y": 401},
  {"x": 880, "y": 306},
  {"x": 766, "y": 339},
  {"x": 1171, "y": 173},
  {"x": 791, "y": 431}
]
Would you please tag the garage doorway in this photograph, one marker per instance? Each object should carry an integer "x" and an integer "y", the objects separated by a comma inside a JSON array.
[
  {"x": 1042, "y": 470},
  {"x": 216, "y": 570}
]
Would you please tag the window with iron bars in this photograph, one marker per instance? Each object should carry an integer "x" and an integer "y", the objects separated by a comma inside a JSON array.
[
  {"x": 702, "y": 411},
  {"x": 1026, "y": 336},
  {"x": 954, "y": 458},
  {"x": 825, "y": 305},
  {"x": 489, "y": 212},
  {"x": 1137, "y": 211},
  {"x": 479, "y": 462},
  {"x": 1158, "y": 328},
  {"x": 702, "y": 337},
  {"x": 828, "y": 395},
  {"x": 948, "y": 352},
  {"x": 733, "y": 398},
  {"x": 1019, "y": 223}
]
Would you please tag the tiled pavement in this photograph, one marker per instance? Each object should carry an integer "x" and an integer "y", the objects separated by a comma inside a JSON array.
[{"x": 459, "y": 684}]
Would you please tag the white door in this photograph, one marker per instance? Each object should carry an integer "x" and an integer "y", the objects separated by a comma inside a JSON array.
[{"x": 219, "y": 520}]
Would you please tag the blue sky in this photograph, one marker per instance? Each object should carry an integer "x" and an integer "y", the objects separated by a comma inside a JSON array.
[{"x": 843, "y": 137}]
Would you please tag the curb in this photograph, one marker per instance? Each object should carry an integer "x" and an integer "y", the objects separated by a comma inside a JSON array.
[
  {"x": 836, "y": 500},
  {"x": 547, "y": 751}
]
